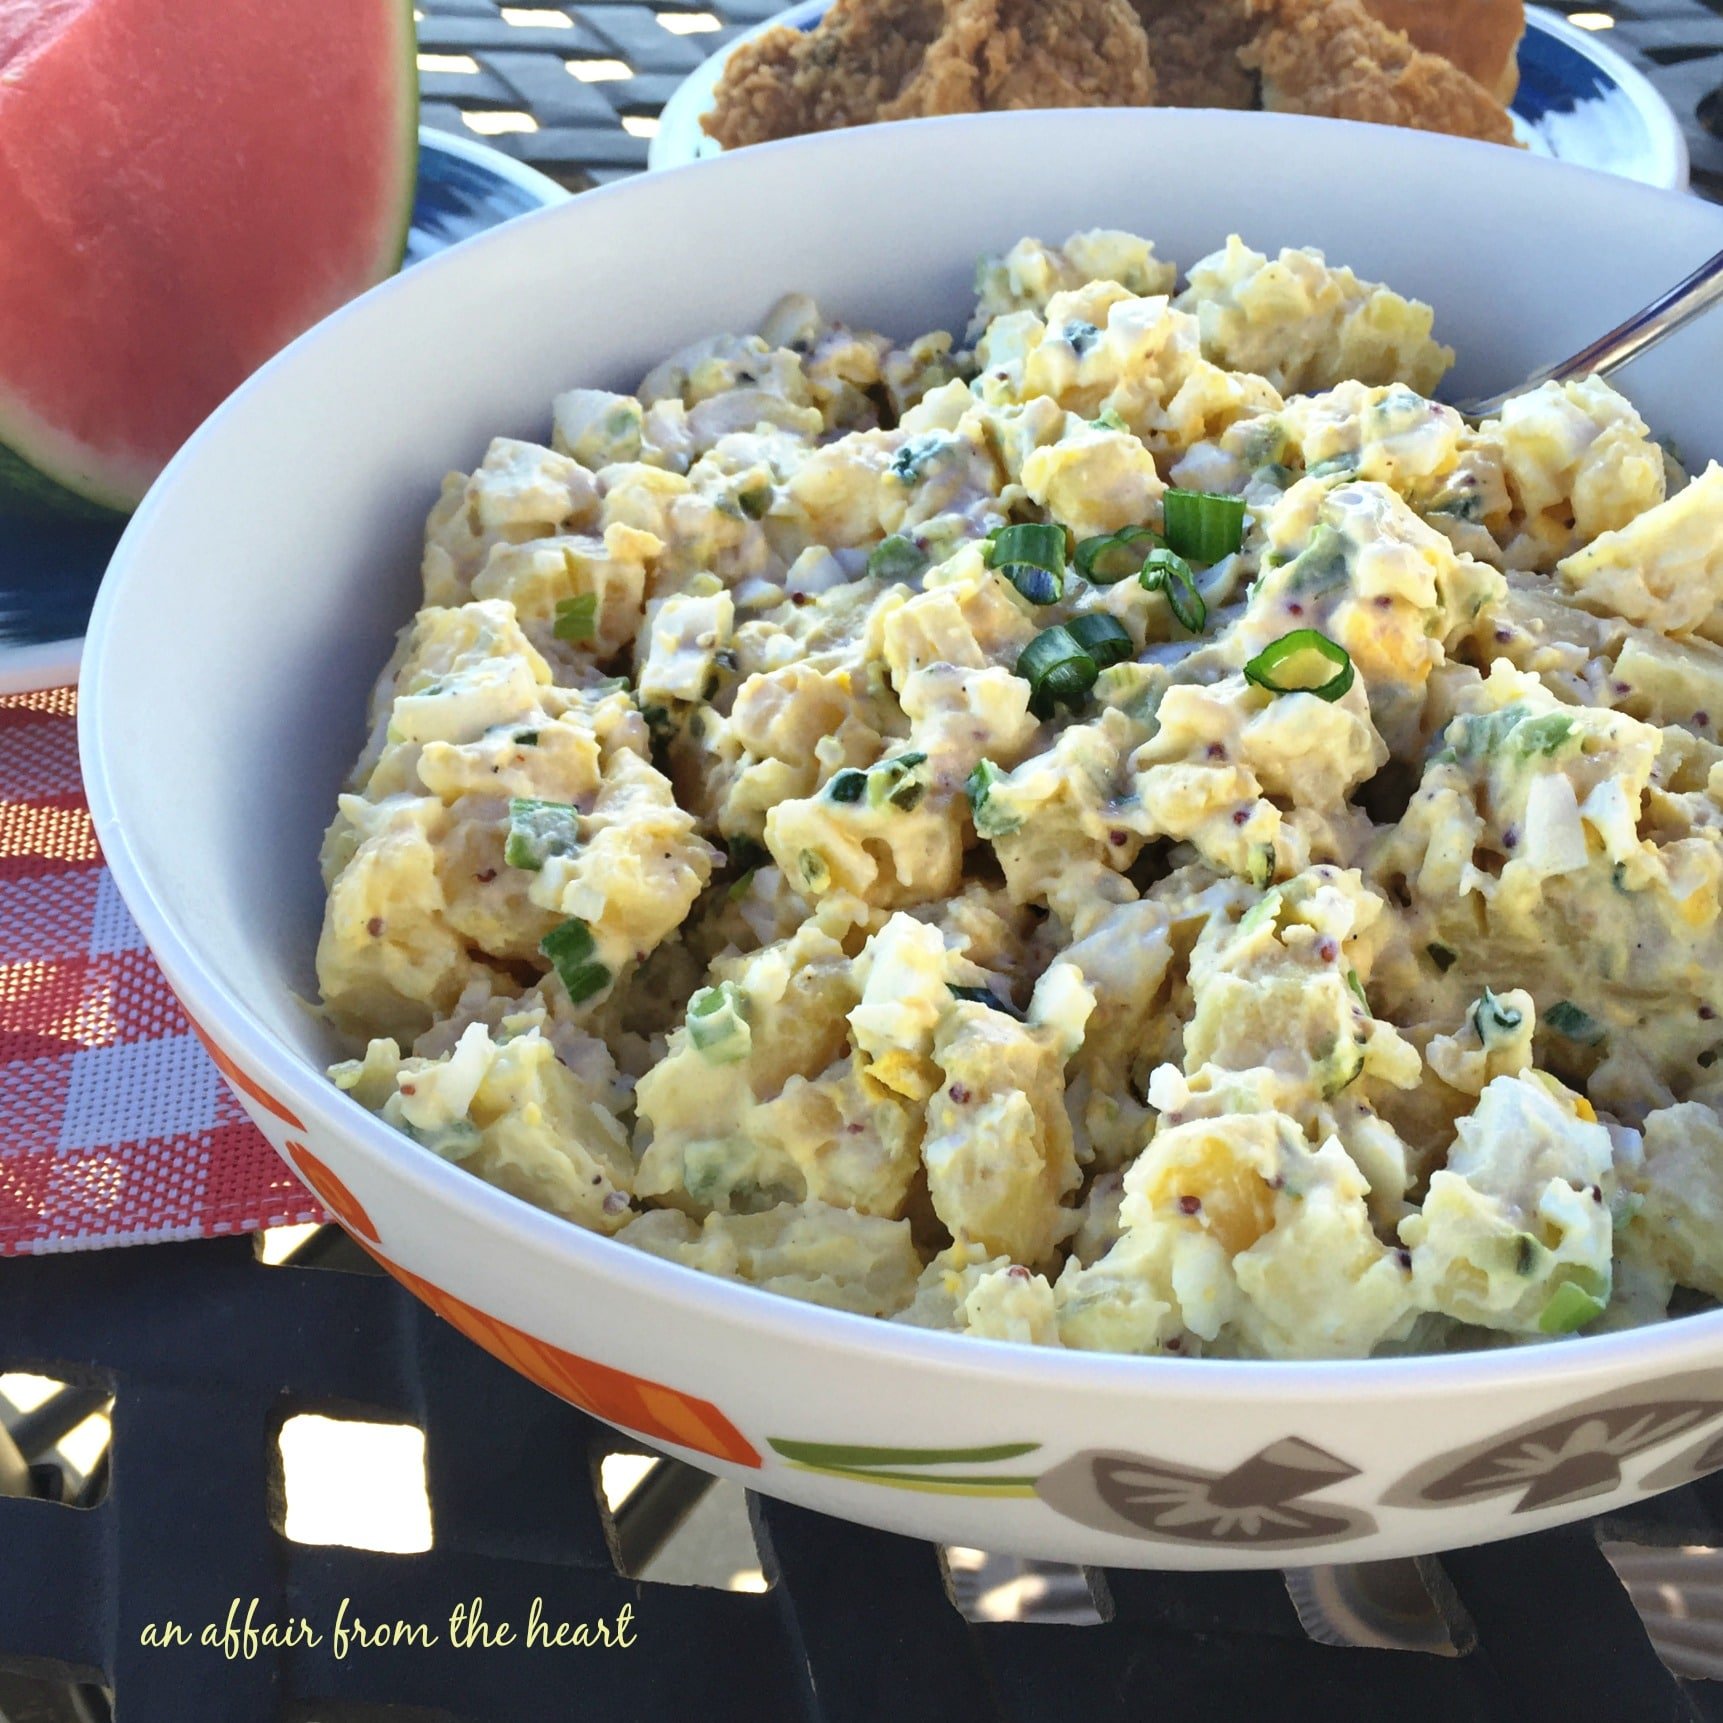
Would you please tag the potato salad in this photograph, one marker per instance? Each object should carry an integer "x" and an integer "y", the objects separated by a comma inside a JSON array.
[{"x": 1128, "y": 827}]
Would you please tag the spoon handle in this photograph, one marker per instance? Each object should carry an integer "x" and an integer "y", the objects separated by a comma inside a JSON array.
[{"x": 1644, "y": 329}]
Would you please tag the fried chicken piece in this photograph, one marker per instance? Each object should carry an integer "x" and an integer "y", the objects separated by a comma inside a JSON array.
[
  {"x": 845, "y": 72},
  {"x": 1481, "y": 37},
  {"x": 1194, "y": 46},
  {"x": 1052, "y": 53},
  {"x": 1331, "y": 57},
  {"x": 900, "y": 59}
]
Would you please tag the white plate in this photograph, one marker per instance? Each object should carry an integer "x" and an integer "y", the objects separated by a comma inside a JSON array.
[
  {"x": 50, "y": 568},
  {"x": 1578, "y": 101}
]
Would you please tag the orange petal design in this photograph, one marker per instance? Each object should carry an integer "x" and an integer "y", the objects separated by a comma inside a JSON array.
[
  {"x": 336, "y": 1197},
  {"x": 665, "y": 1414},
  {"x": 246, "y": 1085}
]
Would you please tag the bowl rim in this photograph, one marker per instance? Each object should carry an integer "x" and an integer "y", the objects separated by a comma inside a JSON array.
[{"x": 1635, "y": 1353}]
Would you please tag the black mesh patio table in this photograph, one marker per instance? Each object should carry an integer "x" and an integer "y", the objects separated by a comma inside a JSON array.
[{"x": 204, "y": 1351}]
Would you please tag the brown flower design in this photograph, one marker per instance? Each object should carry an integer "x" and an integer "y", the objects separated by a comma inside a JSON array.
[
  {"x": 1259, "y": 1503},
  {"x": 1575, "y": 1454},
  {"x": 1688, "y": 1467}
]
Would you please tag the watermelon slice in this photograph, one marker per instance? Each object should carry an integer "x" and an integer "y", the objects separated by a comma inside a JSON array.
[{"x": 185, "y": 185}]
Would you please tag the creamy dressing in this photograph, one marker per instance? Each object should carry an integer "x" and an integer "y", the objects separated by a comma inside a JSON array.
[{"x": 1307, "y": 949}]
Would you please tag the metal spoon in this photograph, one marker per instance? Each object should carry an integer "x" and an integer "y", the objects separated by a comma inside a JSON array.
[{"x": 1644, "y": 329}]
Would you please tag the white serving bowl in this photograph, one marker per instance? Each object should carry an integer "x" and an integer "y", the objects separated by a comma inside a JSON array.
[{"x": 258, "y": 590}]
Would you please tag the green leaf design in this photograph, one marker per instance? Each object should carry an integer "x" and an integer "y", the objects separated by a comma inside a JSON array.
[
  {"x": 933, "y": 1483},
  {"x": 842, "y": 1456}
]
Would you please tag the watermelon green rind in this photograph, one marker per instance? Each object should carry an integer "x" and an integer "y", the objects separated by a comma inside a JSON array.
[
  {"x": 409, "y": 119},
  {"x": 28, "y": 490},
  {"x": 397, "y": 254},
  {"x": 47, "y": 471}
]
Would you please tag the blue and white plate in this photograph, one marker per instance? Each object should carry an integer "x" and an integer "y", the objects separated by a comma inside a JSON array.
[
  {"x": 1578, "y": 101},
  {"x": 49, "y": 569},
  {"x": 1581, "y": 102}
]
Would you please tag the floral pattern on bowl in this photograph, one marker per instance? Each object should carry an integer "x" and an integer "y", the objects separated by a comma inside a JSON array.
[
  {"x": 1261, "y": 1502},
  {"x": 1576, "y": 1454}
]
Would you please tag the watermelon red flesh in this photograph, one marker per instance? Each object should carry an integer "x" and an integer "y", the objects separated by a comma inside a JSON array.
[{"x": 185, "y": 185}]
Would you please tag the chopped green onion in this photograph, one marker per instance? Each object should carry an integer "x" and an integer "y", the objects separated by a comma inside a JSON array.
[
  {"x": 1264, "y": 669},
  {"x": 891, "y": 781},
  {"x": 1567, "y": 1020},
  {"x": 1357, "y": 987},
  {"x": 1543, "y": 735},
  {"x": 1260, "y": 442},
  {"x": 569, "y": 947},
  {"x": 1321, "y": 567},
  {"x": 1167, "y": 572},
  {"x": 1187, "y": 605},
  {"x": 1080, "y": 336},
  {"x": 526, "y": 738},
  {"x": 1201, "y": 527},
  {"x": 745, "y": 852},
  {"x": 1109, "y": 420},
  {"x": 1340, "y": 1070},
  {"x": 984, "y": 996},
  {"x": 709, "y": 1002},
  {"x": 1039, "y": 542},
  {"x": 454, "y": 1141},
  {"x": 1493, "y": 1020},
  {"x": 990, "y": 820},
  {"x": 1116, "y": 556},
  {"x": 755, "y": 501},
  {"x": 1570, "y": 1306},
  {"x": 1441, "y": 956},
  {"x": 896, "y": 558},
  {"x": 1161, "y": 567},
  {"x": 538, "y": 831},
  {"x": 1266, "y": 910},
  {"x": 1458, "y": 502},
  {"x": 1038, "y": 585},
  {"x": 717, "y": 1024},
  {"x": 576, "y": 618},
  {"x": 912, "y": 460},
  {"x": 1342, "y": 463},
  {"x": 1103, "y": 637},
  {"x": 1032, "y": 558},
  {"x": 1057, "y": 669},
  {"x": 739, "y": 887}
]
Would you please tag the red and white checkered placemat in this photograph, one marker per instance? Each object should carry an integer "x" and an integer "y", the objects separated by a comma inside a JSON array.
[{"x": 115, "y": 1127}]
